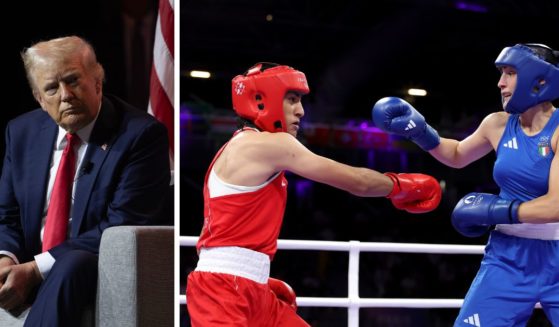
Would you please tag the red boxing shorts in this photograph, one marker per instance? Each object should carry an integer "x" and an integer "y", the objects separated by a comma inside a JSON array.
[{"x": 225, "y": 299}]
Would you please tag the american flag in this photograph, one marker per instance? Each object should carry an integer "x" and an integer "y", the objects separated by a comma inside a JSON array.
[{"x": 162, "y": 87}]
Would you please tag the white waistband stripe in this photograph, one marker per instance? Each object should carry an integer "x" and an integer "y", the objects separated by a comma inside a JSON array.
[{"x": 236, "y": 261}]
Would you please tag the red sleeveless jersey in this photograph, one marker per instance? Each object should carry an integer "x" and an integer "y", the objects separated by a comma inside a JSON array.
[{"x": 250, "y": 220}]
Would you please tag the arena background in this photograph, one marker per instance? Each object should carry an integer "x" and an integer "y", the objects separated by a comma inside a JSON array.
[{"x": 354, "y": 53}]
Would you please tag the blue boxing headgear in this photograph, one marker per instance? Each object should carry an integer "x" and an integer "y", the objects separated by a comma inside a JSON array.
[{"x": 531, "y": 70}]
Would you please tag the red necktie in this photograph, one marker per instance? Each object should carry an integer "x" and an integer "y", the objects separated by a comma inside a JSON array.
[{"x": 58, "y": 212}]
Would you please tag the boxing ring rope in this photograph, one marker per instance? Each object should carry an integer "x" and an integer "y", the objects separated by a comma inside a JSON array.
[{"x": 353, "y": 302}]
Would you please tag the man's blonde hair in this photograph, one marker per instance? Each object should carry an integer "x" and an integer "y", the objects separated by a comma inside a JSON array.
[{"x": 61, "y": 49}]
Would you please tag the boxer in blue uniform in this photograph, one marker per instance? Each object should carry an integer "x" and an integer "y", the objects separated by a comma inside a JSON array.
[{"x": 521, "y": 262}]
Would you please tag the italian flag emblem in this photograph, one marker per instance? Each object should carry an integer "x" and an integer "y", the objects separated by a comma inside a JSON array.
[{"x": 543, "y": 150}]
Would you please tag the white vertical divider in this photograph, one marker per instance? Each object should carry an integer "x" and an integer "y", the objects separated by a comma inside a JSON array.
[{"x": 353, "y": 284}]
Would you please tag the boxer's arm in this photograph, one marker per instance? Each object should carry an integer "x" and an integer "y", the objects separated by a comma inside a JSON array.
[
  {"x": 415, "y": 193},
  {"x": 252, "y": 158},
  {"x": 285, "y": 152},
  {"x": 458, "y": 154}
]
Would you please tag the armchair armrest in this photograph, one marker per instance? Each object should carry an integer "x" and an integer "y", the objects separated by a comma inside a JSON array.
[{"x": 136, "y": 284}]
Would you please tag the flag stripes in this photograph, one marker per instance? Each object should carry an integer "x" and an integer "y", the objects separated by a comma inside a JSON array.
[{"x": 162, "y": 73}]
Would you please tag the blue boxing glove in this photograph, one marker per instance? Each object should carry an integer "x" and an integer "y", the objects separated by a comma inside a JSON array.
[
  {"x": 394, "y": 115},
  {"x": 476, "y": 212}
]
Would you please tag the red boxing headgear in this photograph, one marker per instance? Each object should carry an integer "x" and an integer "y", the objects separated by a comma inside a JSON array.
[{"x": 258, "y": 94}]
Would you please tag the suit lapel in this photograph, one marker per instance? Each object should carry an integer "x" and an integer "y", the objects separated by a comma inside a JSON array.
[
  {"x": 99, "y": 146},
  {"x": 38, "y": 164}
]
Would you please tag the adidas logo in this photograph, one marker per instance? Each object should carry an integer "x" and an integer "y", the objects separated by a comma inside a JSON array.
[
  {"x": 411, "y": 125},
  {"x": 473, "y": 320},
  {"x": 511, "y": 144}
]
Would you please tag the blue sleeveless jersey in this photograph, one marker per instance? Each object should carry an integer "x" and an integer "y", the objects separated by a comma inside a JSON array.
[
  {"x": 522, "y": 172},
  {"x": 523, "y": 162},
  {"x": 520, "y": 265}
]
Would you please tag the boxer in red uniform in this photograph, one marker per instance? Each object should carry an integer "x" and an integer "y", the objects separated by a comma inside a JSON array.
[{"x": 245, "y": 194}]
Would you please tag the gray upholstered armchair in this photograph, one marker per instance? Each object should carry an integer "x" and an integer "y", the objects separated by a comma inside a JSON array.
[{"x": 136, "y": 285}]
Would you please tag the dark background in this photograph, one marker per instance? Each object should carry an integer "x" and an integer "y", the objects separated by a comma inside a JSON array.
[{"x": 354, "y": 53}]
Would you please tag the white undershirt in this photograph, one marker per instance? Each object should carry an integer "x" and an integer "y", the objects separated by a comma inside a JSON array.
[{"x": 218, "y": 187}]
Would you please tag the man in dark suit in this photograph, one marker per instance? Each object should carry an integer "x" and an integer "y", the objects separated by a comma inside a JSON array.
[{"x": 121, "y": 177}]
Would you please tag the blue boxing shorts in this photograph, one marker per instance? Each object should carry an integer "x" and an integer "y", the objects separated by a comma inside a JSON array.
[{"x": 515, "y": 274}]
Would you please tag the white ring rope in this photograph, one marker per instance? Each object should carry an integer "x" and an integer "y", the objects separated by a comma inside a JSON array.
[
  {"x": 353, "y": 302},
  {"x": 341, "y": 302},
  {"x": 364, "y": 246}
]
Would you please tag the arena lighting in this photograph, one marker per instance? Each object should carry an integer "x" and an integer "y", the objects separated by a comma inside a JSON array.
[
  {"x": 199, "y": 74},
  {"x": 417, "y": 92},
  {"x": 469, "y": 6}
]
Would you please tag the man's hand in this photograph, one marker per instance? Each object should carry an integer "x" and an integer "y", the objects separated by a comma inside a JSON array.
[
  {"x": 5, "y": 261},
  {"x": 17, "y": 283}
]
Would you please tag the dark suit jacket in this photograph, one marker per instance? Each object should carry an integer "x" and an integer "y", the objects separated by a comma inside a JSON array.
[{"x": 124, "y": 179}]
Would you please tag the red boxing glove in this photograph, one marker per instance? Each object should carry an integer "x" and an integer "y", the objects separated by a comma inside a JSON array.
[
  {"x": 415, "y": 193},
  {"x": 283, "y": 292}
]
